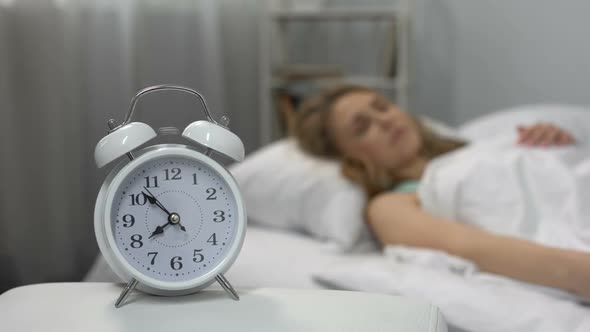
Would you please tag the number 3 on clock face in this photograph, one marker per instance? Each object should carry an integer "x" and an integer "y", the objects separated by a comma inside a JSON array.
[{"x": 175, "y": 218}]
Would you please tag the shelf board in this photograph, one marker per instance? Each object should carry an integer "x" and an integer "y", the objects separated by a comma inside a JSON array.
[
  {"x": 377, "y": 82},
  {"x": 336, "y": 14}
]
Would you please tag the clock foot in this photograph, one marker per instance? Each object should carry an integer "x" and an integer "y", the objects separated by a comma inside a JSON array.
[
  {"x": 227, "y": 287},
  {"x": 128, "y": 289}
]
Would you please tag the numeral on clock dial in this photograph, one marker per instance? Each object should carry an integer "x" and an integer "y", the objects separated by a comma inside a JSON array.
[
  {"x": 219, "y": 216},
  {"x": 197, "y": 257},
  {"x": 212, "y": 239},
  {"x": 211, "y": 192},
  {"x": 175, "y": 263},
  {"x": 153, "y": 258},
  {"x": 173, "y": 174},
  {"x": 151, "y": 181},
  {"x": 138, "y": 199},
  {"x": 128, "y": 220},
  {"x": 136, "y": 241}
]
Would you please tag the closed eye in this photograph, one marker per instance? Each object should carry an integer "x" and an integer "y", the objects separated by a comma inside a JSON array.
[{"x": 361, "y": 125}]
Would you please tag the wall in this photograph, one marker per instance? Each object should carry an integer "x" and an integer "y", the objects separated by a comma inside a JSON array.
[
  {"x": 473, "y": 57},
  {"x": 239, "y": 47}
]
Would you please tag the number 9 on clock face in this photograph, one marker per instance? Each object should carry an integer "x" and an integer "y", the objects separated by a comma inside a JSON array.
[{"x": 173, "y": 218}]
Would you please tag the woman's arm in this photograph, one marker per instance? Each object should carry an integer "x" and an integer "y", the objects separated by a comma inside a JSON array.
[{"x": 398, "y": 219}]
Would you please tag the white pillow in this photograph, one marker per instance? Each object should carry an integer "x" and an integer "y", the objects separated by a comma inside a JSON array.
[
  {"x": 285, "y": 188},
  {"x": 576, "y": 119}
]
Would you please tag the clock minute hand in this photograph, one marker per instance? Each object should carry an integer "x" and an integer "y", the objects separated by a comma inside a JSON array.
[{"x": 153, "y": 200}]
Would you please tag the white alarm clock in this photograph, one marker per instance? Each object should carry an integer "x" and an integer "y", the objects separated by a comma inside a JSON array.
[{"x": 169, "y": 219}]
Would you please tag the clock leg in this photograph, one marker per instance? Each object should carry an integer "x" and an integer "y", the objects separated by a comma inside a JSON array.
[
  {"x": 128, "y": 289},
  {"x": 227, "y": 286}
]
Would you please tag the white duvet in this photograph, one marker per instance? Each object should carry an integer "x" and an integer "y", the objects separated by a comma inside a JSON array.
[{"x": 533, "y": 193}]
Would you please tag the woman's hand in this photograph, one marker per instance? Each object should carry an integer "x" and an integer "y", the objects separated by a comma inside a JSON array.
[{"x": 544, "y": 134}]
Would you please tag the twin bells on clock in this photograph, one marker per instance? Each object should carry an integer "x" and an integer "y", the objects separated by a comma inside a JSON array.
[{"x": 129, "y": 136}]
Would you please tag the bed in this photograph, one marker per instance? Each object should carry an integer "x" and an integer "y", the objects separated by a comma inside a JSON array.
[
  {"x": 295, "y": 243},
  {"x": 291, "y": 263}
]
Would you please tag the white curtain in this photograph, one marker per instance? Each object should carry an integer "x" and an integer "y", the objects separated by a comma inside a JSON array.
[{"x": 66, "y": 67}]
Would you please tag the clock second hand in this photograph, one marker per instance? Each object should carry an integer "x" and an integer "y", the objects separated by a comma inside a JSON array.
[{"x": 160, "y": 229}]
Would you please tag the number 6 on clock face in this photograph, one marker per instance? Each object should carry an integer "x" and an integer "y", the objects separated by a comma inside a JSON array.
[{"x": 173, "y": 219}]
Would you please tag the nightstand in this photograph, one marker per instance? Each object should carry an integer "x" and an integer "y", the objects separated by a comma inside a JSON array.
[{"x": 63, "y": 307}]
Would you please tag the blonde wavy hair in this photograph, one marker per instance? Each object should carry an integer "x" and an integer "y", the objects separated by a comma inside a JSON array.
[{"x": 311, "y": 130}]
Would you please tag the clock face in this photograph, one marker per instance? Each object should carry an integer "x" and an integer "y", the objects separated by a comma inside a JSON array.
[{"x": 174, "y": 218}]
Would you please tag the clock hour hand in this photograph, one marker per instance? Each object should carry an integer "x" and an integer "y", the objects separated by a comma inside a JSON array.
[{"x": 158, "y": 230}]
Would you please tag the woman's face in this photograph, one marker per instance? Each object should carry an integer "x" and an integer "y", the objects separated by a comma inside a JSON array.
[{"x": 367, "y": 127}]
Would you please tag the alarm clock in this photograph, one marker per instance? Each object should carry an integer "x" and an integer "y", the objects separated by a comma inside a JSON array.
[{"x": 169, "y": 219}]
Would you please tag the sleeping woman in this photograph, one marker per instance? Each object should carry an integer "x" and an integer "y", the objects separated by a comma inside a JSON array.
[{"x": 387, "y": 151}]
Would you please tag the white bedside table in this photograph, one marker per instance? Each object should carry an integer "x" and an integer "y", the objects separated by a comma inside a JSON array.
[{"x": 64, "y": 307}]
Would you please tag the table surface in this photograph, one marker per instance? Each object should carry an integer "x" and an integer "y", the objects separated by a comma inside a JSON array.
[{"x": 90, "y": 307}]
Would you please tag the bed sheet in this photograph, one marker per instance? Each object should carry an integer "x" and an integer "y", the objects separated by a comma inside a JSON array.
[
  {"x": 269, "y": 258},
  {"x": 275, "y": 258},
  {"x": 470, "y": 301}
]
